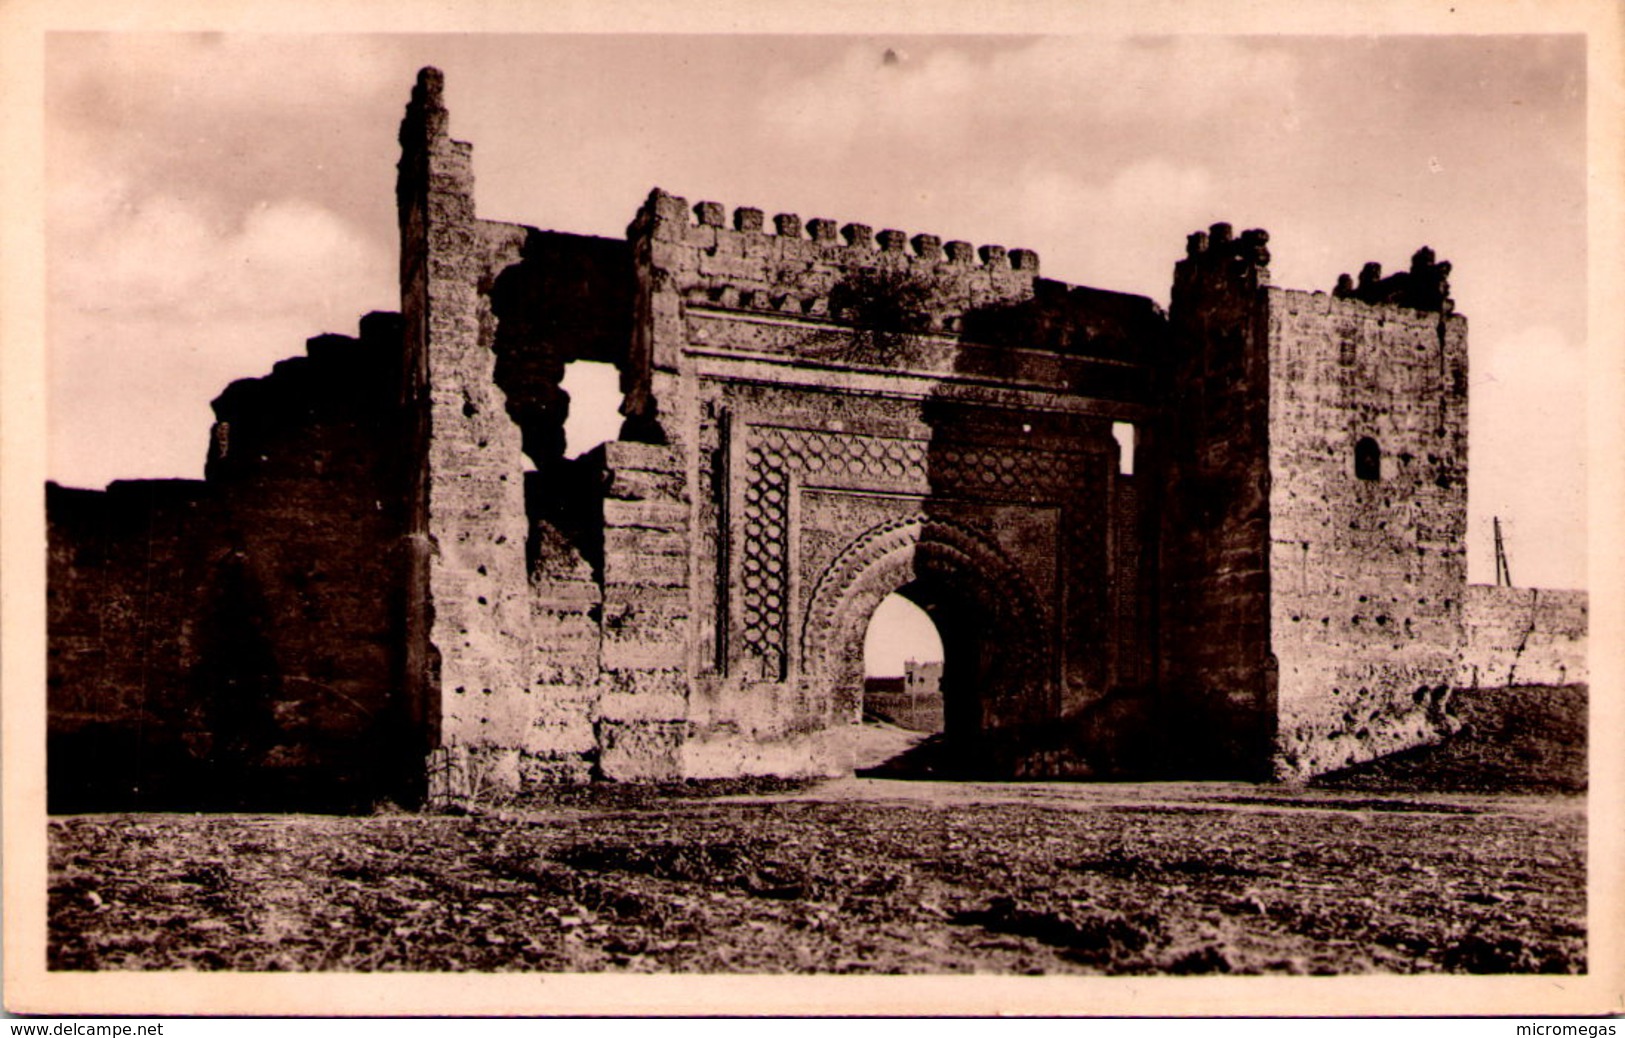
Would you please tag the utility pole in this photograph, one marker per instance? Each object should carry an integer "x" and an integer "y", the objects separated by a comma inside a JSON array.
[{"x": 1503, "y": 575}]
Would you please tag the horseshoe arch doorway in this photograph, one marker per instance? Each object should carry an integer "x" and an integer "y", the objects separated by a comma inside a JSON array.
[{"x": 992, "y": 660}]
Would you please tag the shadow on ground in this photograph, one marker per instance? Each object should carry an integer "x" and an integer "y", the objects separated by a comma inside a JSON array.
[{"x": 1527, "y": 739}]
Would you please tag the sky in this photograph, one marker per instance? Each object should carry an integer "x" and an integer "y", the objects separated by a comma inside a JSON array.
[{"x": 214, "y": 200}]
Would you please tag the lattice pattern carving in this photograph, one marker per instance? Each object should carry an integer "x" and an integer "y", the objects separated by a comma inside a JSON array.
[
  {"x": 856, "y": 456},
  {"x": 776, "y": 454},
  {"x": 986, "y": 468},
  {"x": 764, "y": 561}
]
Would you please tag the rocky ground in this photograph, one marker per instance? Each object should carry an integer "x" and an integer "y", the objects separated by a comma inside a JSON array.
[{"x": 851, "y": 876}]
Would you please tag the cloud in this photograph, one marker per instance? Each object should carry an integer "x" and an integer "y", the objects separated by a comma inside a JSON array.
[
  {"x": 158, "y": 302},
  {"x": 163, "y": 254},
  {"x": 114, "y": 80},
  {"x": 195, "y": 232},
  {"x": 1101, "y": 153},
  {"x": 215, "y": 200},
  {"x": 1052, "y": 87},
  {"x": 1123, "y": 233}
]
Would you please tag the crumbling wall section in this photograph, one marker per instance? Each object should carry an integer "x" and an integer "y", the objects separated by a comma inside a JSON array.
[
  {"x": 1368, "y": 495},
  {"x": 1524, "y": 636},
  {"x": 304, "y": 604},
  {"x": 554, "y": 298},
  {"x": 644, "y": 708},
  {"x": 561, "y": 741},
  {"x": 468, "y": 517}
]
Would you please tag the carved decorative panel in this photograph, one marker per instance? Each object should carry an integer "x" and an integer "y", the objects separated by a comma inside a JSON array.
[{"x": 777, "y": 459}]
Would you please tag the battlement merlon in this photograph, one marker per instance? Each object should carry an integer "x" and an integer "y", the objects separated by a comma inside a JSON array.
[
  {"x": 699, "y": 248},
  {"x": 1218, "y": 259},
  {"x": 1425, "y": 286}
]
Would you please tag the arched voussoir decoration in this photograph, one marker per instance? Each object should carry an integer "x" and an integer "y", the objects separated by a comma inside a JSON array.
[{"x": 963, "y": 571}]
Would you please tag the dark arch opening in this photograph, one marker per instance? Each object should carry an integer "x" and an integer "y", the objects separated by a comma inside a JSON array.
[
  {"x": 1367, "y": 459},
  {"x": 996, "y": 680}
]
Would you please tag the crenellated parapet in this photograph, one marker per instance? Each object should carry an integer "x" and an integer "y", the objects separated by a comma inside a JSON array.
[
  {"x": 1218, "y": 258},
  {"x": 1425, "y": 286},
  {"x": 699, "y": 262},
  {"x": 802, "y": 268},
  {"x": 669, "y": 217}
]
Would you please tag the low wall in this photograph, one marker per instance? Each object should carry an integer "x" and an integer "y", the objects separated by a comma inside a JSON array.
[
  {"x": 1523, "y": 636},
  {"x": 912, "y": 710}
]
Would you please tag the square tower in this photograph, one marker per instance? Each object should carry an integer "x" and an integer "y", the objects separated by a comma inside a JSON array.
[{"x": 1314, "y": 539}]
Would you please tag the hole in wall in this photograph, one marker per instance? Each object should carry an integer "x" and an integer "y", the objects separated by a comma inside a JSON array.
[
  {"x": 595, "y": 400},
  {"x": 1367, "y": 459},
  {"x": 1123, "y": 432}
]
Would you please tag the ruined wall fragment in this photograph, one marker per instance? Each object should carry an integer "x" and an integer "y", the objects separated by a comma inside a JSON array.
[
  {"x": 306, "y": 472},
  {"x": 1523, "y": 636},
  {"x": 471, "y": 623},
  {"x": 125, "y": 720},
  {"x": 236, "y": 642}
]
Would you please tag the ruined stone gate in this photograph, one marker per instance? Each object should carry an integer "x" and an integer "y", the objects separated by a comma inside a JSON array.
[{"x": 392, "y": 579}]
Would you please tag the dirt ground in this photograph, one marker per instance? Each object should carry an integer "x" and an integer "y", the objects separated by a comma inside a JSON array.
[
  {"x": 850, "y": 876},
  {"x": 1468, "y": 857}
]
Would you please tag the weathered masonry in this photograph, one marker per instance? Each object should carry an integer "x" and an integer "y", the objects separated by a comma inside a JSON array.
[{"x": 393, "y": 581}]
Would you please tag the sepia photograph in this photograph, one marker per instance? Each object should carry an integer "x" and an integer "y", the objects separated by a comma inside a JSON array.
[{"x": 945, "y": 505}]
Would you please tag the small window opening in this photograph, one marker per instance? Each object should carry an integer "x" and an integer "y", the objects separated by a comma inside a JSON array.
[
  {"x": 1124, "y": 434},
  {"x": 595, "y": 401},
  {"x": 1367, "y": 459}
]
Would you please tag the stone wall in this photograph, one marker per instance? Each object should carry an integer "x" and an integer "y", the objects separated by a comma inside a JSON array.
[
  {"x": 469, "y": 514},
  {"x": 304, "y": 611},
  {"x": 1368, "y": 501},
  {"x": 237, "y": 641},
  {"x": 122, "y": 618},
  {"x": 1217, "y": 673},
  {"x": 1523, "y": 636},
  {"x": 915, "y": 711},
  {"x": 644, "y": 711},
  {"x": 887, "y": 292}
]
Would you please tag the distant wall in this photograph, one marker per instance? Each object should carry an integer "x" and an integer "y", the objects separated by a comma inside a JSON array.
[
  {"x": 1524, "y": 636},
  {"x": 912, "y": 710}
]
